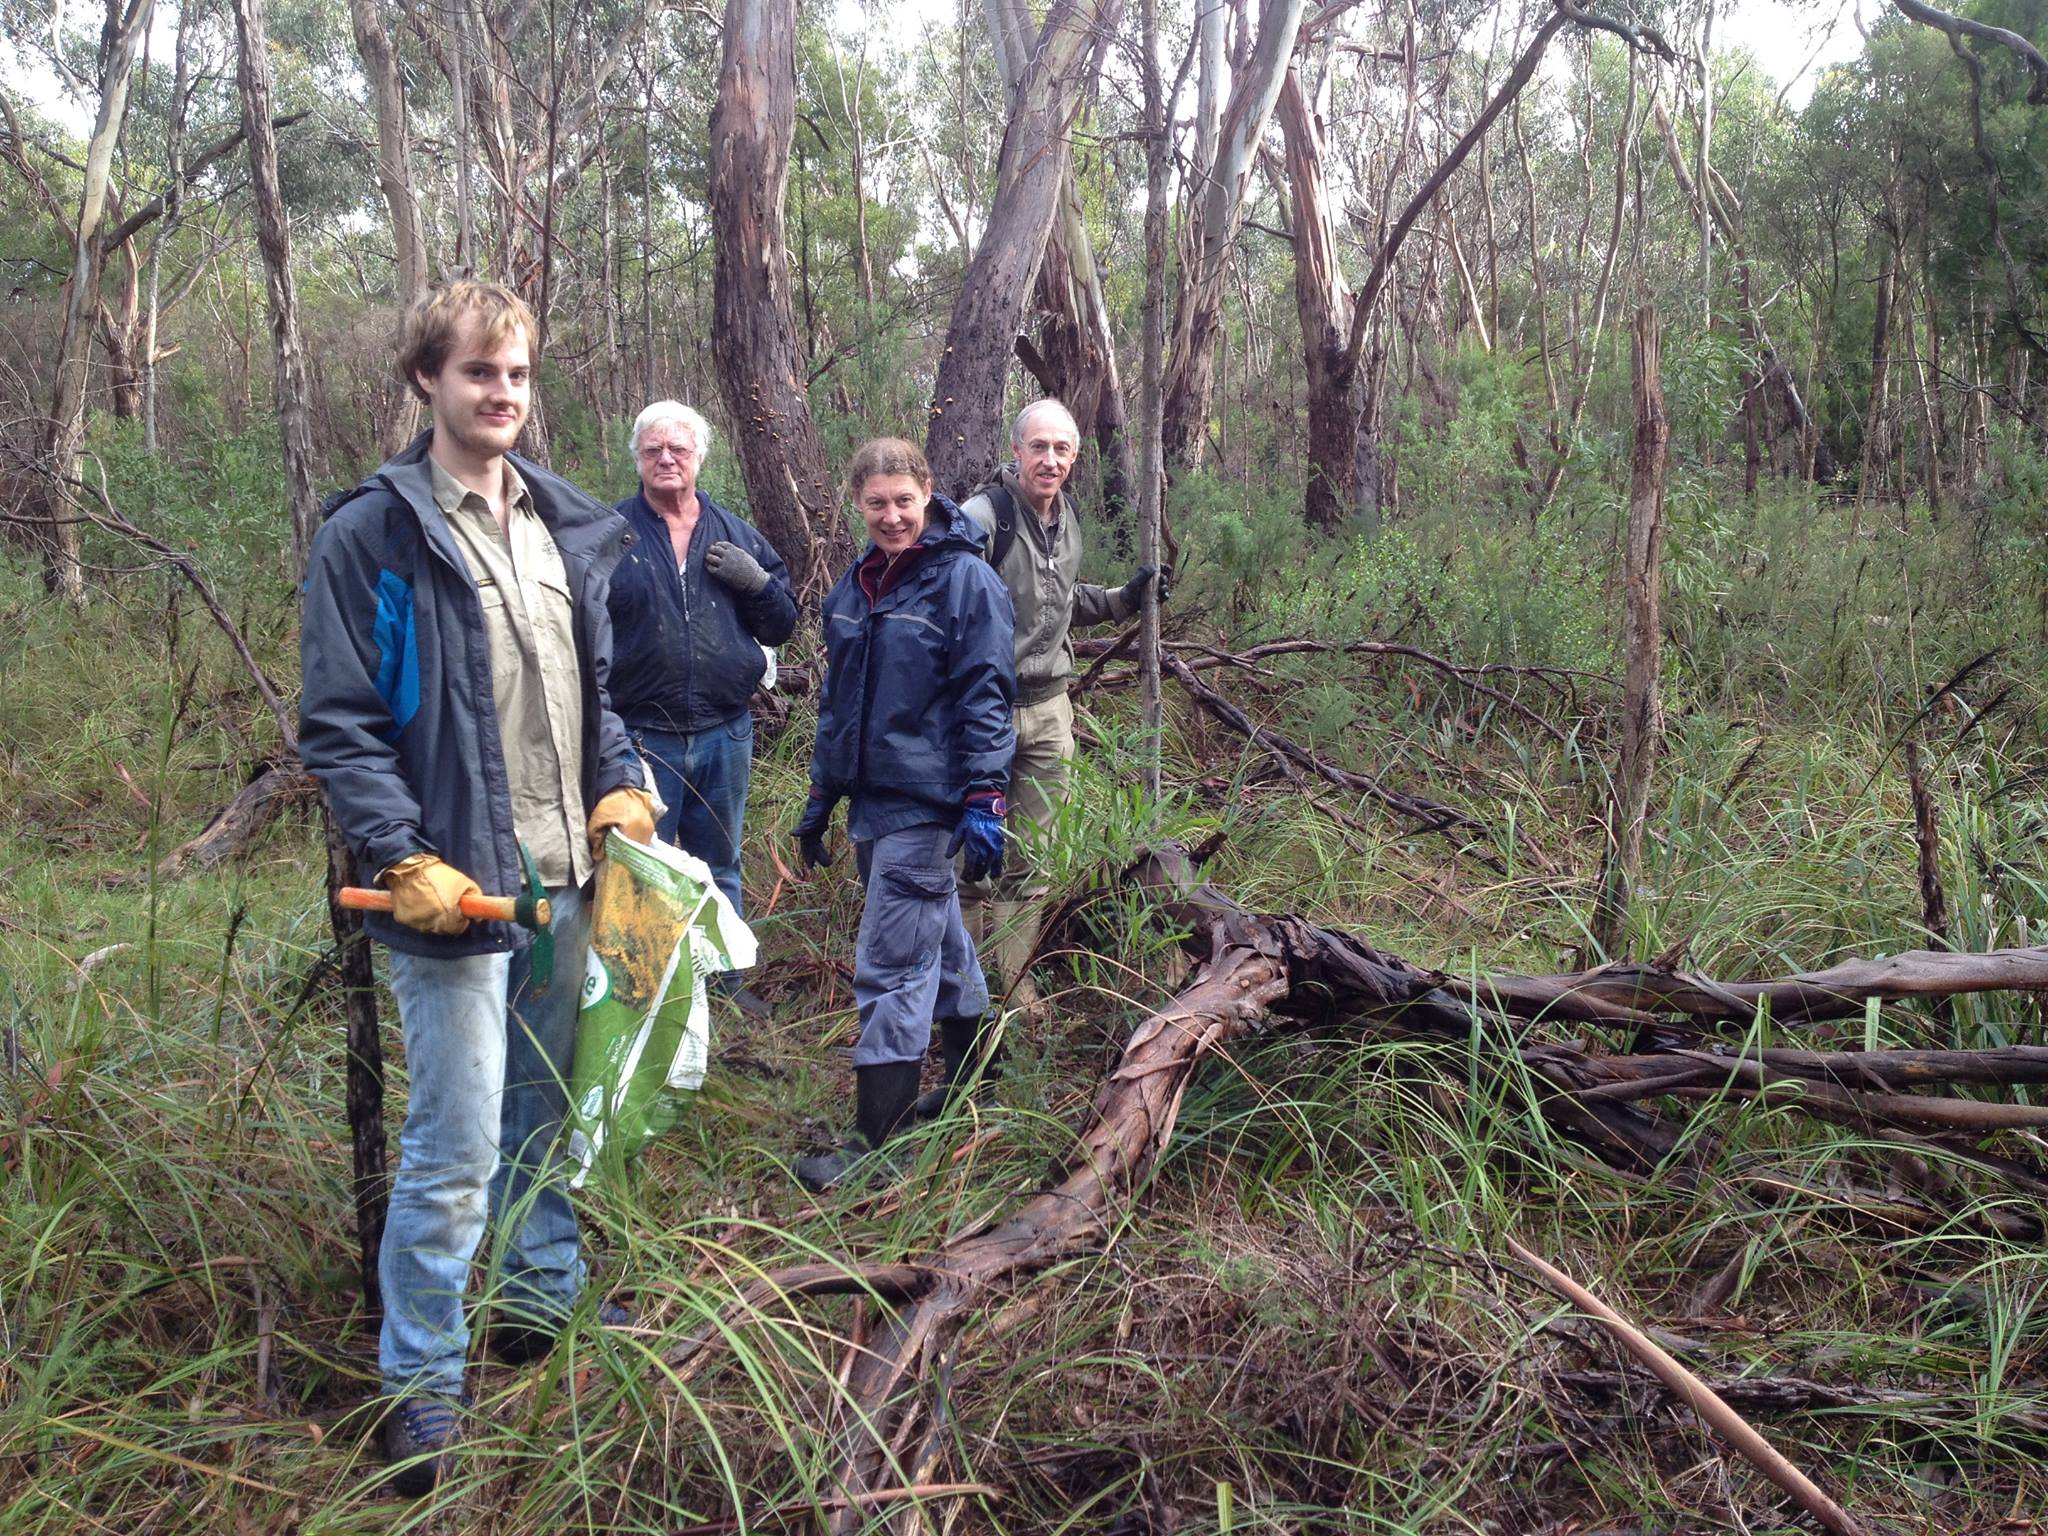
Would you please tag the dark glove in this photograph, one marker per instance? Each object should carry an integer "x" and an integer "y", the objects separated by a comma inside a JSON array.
[
  {"x": 1141, "y": 578},
  {"x": 735, "y": 567},
  {"x": 981, "y": 833},
  {"x": 812, "y": 831}
]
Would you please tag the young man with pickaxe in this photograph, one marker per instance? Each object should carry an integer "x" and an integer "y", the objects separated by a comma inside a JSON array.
[{"x": 455, "y": 649}]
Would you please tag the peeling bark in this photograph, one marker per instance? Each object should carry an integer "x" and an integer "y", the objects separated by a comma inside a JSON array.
[
  {"x": 753, "y": 329},
  {"x": 966, "y": 435}
]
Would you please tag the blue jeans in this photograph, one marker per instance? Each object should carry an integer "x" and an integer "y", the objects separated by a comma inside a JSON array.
[
  {"x": 489, "y": 1067},
  {"x": 913, "y": 961},
  {"x": 702, "y": 779}
]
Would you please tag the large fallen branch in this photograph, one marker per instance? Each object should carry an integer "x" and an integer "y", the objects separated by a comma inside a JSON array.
[{"x": 1261, "y": 971}]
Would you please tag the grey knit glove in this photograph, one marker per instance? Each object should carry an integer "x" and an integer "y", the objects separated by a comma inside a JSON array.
[{"x": 735, "y": 567}]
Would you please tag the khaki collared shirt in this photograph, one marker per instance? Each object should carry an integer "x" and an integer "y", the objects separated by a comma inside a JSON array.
[{"x": 529, "y": 621}]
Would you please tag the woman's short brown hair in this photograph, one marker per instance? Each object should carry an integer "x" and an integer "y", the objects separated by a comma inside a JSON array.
[
  {"x": 886, "y": 456},
  {"x": 436, "y": 316}
]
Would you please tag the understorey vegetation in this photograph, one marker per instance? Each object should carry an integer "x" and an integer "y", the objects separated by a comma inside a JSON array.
[
  {"x": 1302, "y": 1311},
  {"x": 1545, "y": 958}
]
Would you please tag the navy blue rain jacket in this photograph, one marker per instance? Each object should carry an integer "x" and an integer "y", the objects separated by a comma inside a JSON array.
[
  {"x": 686, "y": 647},
  {"x": 915, "y": 712},
  {"x": 397, "y": 718}
]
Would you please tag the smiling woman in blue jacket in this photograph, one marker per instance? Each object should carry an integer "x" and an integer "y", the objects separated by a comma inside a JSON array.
[{"x": 915, "y": 734}]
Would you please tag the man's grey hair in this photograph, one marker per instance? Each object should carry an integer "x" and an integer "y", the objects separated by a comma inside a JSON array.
[
  {"x": 661, "y": 414},
  {"x": 1049, "y": 403}
]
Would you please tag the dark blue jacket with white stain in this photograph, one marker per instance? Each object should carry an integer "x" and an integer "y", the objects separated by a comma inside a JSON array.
[{"x": 686, "y": 647}]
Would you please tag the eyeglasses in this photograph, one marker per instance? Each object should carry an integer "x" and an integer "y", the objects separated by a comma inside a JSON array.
[{"x": 654, "y": 455}]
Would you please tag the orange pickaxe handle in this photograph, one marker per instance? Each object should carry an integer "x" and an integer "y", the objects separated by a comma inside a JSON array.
[{"x": 496, "y": 909}]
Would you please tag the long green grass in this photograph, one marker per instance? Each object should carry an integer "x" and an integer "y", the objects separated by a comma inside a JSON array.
[{"x": 1304, "y": 1323}]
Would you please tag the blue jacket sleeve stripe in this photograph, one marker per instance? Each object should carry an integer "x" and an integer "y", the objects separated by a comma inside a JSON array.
[{"x": 398, "y": 651}]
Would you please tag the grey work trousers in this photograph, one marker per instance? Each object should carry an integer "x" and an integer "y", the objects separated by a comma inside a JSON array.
[{"x": 913, "y": 961}]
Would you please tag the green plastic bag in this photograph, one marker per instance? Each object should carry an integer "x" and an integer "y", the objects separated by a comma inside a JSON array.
[{"x": 660, "y": 929}]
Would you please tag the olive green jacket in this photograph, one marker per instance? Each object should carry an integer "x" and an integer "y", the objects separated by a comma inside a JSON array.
[{"x": 1043, "y": 574}]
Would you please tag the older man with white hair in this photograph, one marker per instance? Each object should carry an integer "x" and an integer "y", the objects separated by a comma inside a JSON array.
[{"x": 697, "y": 596}]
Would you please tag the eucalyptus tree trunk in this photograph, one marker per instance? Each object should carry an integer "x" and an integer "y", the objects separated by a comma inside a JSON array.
[
  {"x": 174, "y": 197},
  {"x": 455, "y": 43},
  {"x": 753, "y": 331},
  {"x": 1152, "y": 346},
  {"x": 394, "y": 152},
  {"x": 966, "y": 435},
  {"x": 1876, "y": 437},
  {"x": 273, "y": 238},
  {"x": 1076, "y": 354},
  {"x": 1323, "y": 300},
  {"x": 64, "y": 431},
  {"x": 1213, "y": 218},
  {"x": 1346, "y": 384}
]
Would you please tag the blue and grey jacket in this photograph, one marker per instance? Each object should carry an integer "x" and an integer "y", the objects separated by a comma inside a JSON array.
[
  {"x": 686, "y": 647},
  {"x": 915, "y": 713},
  {"x": 397, "y": 718}
]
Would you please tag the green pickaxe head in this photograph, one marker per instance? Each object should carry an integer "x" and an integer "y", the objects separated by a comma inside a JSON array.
[{"x": 532, "y": 912}]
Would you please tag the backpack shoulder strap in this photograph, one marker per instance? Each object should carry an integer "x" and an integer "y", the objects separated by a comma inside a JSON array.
[{"x": 1005, "y": 506}]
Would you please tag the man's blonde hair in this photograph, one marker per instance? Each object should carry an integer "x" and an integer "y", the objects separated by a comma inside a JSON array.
[{"x": 431, "y": 325}]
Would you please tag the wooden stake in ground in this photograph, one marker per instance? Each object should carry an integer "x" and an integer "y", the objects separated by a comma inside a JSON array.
[{"x": 1642, "y": 574}]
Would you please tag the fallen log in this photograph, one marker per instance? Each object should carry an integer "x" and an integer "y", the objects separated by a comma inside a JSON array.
[
  {"x": 235, "y": 827},
  {"x": 1264, "y": 971},
  {"x": 1629, "y": 993}
]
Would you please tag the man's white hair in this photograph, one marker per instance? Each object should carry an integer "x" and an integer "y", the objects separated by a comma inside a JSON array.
[
  {"x": 661, "y": 414},
  {"x": 1049, "y": 403}
]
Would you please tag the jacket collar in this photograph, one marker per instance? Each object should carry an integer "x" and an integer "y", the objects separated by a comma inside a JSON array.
[
  {"x": 1062, "y": 507},
  {"x": 580, "y": 525}
]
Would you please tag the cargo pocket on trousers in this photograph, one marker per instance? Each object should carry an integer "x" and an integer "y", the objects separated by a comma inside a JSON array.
[{"x": 910, "y": 918}]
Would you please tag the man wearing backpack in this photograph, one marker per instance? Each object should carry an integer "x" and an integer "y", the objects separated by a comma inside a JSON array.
[{"x": 1033, "y": 534}]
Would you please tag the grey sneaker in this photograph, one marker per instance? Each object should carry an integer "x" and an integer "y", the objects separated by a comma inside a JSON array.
[{"x": 420, "y": 1436}]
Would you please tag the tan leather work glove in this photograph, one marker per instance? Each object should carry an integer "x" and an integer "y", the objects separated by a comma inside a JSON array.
[
  {"x": 427, "y": 892},
  {"x": 630, "y": 810}
]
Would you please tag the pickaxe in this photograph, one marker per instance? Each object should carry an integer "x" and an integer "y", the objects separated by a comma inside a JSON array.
[{"x": 530, "y": 910}]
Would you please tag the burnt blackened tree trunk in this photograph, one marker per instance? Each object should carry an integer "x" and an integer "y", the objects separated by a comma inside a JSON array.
[
  {"x": 966, "y": 435},
  {"x": 1336, "y": 392},
  {"x": 753, "y": 331}
]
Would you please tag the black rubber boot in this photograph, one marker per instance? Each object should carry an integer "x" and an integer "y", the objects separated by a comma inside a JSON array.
[
  {"x": 885, "y": 1098},
  {"x": 960, "y": 1043}
]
